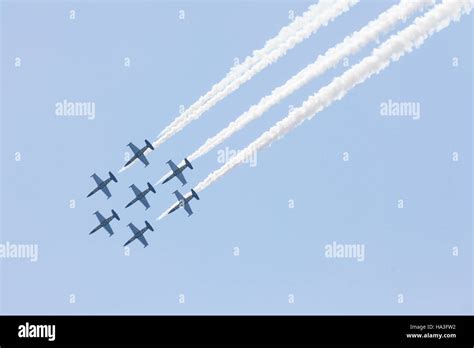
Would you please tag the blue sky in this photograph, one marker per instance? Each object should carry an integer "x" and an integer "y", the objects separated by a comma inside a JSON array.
[{"x": 282, "y": 250}]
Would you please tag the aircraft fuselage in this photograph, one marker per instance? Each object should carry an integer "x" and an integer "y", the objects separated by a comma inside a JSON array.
[
  {"x": 176, "y": 172},
  {"x": 181, "y": 203},
  {"x": 136, "y": 155},
  {"x": 139, "y": 234},
  {"x": 99, "y": 187},
  {"x": 102, "y": 224},
  {"x": 137, "y": 198}
]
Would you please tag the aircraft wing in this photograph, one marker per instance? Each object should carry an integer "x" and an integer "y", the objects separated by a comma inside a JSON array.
[
  {"x": 144, "y": 201},
  {"x": 133, "y": 228},
  {"x": 142, "y": 158},
  {"x": 143, "y": 240},
  {"x": 109, "y": 229},
  {"x": 135, "y": 190},
  {"x": 134, "y": 149},
  {"x": 173, "y": 166},
  {"x": 105, "y": 190},
  {"x": 188, "y": 209},
  {"x": 99, "y": 216},
  {"x": 181, "y": 178},
  {"x": 97, "y": 180},
  {"x": 178, "y": 195}
]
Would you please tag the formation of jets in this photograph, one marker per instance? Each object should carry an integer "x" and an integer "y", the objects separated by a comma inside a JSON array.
[{"x": 140, "y": 196}]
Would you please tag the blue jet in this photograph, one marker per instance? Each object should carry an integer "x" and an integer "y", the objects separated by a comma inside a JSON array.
[
  {"x": 102, "y": 185},
  {"x": 139, "y": 153},
  {"x": 105, "y": 223},
  {"x": 139, "y": 234},
  {"x": 178, "y": 171},
  {"x": 140, "y": 195},
  {"x": 184, "y": 201}
]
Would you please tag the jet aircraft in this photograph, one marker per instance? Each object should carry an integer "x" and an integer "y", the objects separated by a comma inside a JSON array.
[
  {"x": 178, "y": 171},
  {"x": 105, "y": 223},
  {"x": 140, "y": 195},
  {"x": 184, "y": 201},
  {"x": 139, "y": 153},
  {"x": 139, "y": 234},
  {"x": 102, "y": 184}
]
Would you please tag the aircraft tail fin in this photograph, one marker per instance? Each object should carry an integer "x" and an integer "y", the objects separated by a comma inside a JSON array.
[
  {"x": 112, "y": 177},
  {"x": 195, "y": 195},
  {"x": 148, "y": 144},
  {"x": 115, "y": 215},
  {"x": 151, "y": 188},
  {"x": 148, "y": 226},
  {"x": 188, "y": 163}
]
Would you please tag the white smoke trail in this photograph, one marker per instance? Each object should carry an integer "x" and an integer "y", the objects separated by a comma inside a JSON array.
[
  {"x": 284, "y": 34},
  {"x": 300, "y": 29},
  {"x": 392, "y": 49},
  {"x": 163, "y": 215},
  {"x": 350, "y": 45},
  {"x": 332, "y": 11}
]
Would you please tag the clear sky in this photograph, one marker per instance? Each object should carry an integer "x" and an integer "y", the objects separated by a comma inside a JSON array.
[{"x": 282, "y": 213}]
